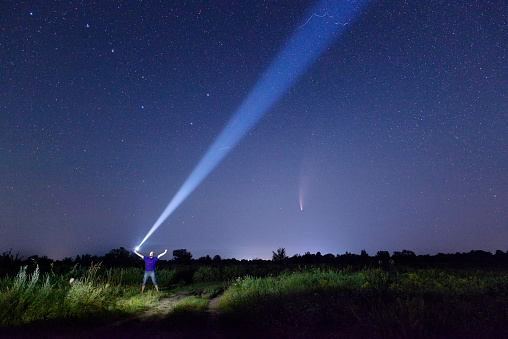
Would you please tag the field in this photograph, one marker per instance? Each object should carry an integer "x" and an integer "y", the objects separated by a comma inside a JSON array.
[{"x": 257, "y": 299}]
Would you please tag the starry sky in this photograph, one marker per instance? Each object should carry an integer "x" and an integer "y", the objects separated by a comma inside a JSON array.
[{"x": 395, "y": 138}]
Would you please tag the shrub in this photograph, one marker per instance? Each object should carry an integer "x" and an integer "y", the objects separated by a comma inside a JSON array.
[
  {"x": 207, "y": 273},
  {"x": 233, "y": 272},
  {"x": 165, "y": 277}
]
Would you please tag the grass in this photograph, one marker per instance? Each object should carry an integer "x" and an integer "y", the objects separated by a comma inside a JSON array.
[
  {"x": 30, "y": 298},
  {"x": 192, "y": 305},
  {"x": 307, "y": 302},
  {"x": 196, "y": 304},
  {"x": 372, "y": 302},
  {"x": 27, "y": 298},
  {"x": 189, "y": 315}
]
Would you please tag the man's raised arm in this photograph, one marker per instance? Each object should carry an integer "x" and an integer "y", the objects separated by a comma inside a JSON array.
[
  {"x": 160, "y": 255},
  {"x": 139, "y": 255}
]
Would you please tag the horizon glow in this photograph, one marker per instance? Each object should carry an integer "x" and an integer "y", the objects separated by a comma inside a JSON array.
[{"x": 325, "y": 22}]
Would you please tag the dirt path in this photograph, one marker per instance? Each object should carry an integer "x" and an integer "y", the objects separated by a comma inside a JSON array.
[
  {"x": 164, "y": 306},
  {"x": 213, "y": 326},
  {"x": 151, "y": 323}
]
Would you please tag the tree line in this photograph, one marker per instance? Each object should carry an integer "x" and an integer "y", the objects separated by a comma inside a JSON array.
[{"x": 121, "y": 257}]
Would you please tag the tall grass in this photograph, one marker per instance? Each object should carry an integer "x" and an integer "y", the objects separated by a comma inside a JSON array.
[
  {"x": 192, "y": 305},
  {"x": 97, "y": 292},
  {"x": 207, "y": 273},
  {"x": 417, "y": 303},
  {"x": 246, "y": 290},
  {"x": 22, "y": 299},
  {"x": 307, "y": 302}
]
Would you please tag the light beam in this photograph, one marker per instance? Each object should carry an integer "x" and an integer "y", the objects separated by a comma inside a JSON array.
[{"x": 308, "y": 42}]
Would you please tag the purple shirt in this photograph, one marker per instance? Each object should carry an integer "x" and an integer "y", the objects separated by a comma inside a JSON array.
[{"x": 150, "y": 263}]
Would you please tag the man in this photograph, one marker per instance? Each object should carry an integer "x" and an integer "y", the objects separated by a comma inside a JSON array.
[{"x": 149, "y": 268}]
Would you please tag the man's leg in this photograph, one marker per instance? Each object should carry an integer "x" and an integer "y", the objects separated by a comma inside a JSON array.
[
  {"x": 144, "y": 281},
  {"x": 152, "y": 275}
]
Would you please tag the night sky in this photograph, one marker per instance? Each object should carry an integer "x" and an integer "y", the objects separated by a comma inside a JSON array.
[{"x": 395, "y": 138}]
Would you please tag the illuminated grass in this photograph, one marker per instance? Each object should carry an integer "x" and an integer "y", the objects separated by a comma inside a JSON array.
[
  {"x": 28, "y": 298},
  {"x": 190, "y": 305}
]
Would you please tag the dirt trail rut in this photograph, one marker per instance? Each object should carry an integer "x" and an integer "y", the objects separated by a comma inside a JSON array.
[{"x": 151, "y": 323}]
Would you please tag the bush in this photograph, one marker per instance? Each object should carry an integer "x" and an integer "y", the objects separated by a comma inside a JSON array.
[
  {"x": 207, "y": 274},
  {"x": 183, "y": 275},
  {"x": 165, "y": 277},
  {"x": 233, "y": 272}
]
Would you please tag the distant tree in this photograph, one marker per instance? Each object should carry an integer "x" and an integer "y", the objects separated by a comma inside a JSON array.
[
  {"x": 205, "y": 260},
  {"x": 67, "y": 261},
  {"x": 296, "y": 258},
  {"x": 383, "y": 255},
  {"x": 8, "y": 257},
  {"x": 87, "y": 259},
  {"x": 182, "y": 256},
  {"x": 9, "y": 264},
  {"x": 280, "y": 255},
  {"x": 329, "y": 257},
  {"x": 120, "y": 257},
  {"x": 383, "y": 259},
  {"x": 501, "y": 257},
  {"x": 308, "y": 257},
  {"x": 348, "y": 259},
  {"x": 216, "y": 258},
  {"x": 41, "y": 261},
  {"x": 499, "y": 253},
  {"x": 408, "y": 253},
  {"x": 404, "y": 257},
  {"x": 404, "y": 253},
  {"x": 479, "y": 256}
]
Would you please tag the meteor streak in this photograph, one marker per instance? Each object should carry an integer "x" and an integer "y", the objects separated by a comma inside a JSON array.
[{"x": 308, "y": 42}]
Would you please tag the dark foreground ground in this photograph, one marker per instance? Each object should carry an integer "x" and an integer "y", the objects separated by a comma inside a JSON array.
[
  {"x": 134, "y": 328},
  {"x": 208, "y": 327},
  {"x": 155, "y": 323}
]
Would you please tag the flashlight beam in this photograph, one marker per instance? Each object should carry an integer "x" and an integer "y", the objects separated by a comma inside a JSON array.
[{"x": 309, "y": 41}]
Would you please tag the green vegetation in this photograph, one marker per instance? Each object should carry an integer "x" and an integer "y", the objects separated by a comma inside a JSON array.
[
  {"x": 97, "y": 293},
  {"x": 307, "y": 296},
  {"x": 192, "y": 305},
  {"x": 416, "y": 303}
]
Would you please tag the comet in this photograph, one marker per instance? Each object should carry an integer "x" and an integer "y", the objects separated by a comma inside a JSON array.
[{"x": 309, "y": 41}]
